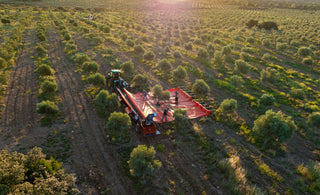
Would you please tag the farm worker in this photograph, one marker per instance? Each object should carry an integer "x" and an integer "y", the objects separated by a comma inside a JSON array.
[
  {"x": 149, "y": 118},
  {"x": 176, "y": 97},
  {"x": 165, "y": 113},
  {"x": 145, "y": 93}
]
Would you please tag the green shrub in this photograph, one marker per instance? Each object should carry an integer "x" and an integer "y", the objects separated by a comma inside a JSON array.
[
  {"x": 3, "y": 63},
  {"x": 188, "y": 46},
  {"x": 142, "y": 164},
  {"x": 138, "y": 49},
  {"x": 164, "y": 65},
  {"x": 85, "y": 29},
  {"x": 41, "y": 36},
  {"x": 314, "y": 119},
  {"x": 48, "y": 89},
  {"x": 295, "y": 43},
  {"x": 118, "y": 125},
  {"x": 130, "y": 42},
  {"x": 267, "y": 56},
  {"x": 281, "y": 46},
  {"x": 160, "y": 148},
  {"x": 106, "y": 103},
  {"x": 44, "y": 70},
  {"x": 90, "y": 67},
  {"x": 228, "y": 106},
  {"x": 149, "y": 56},
  {"x": 200, "y": 88},
  {"x": 167, "y": 49},
  {"x": 307, "y": 61},
  {"x": 241, "y": 66},
  {"x": 177, "y": 55},
  {"x": 106, "y": 29},
  {"x": 211, "y": 48},
  {"x": 47, "y": 107},
  {"x": 250, "y": 40},
  {"x": 165, "y": 95},
  {"x": 97, "y": 79},
  {"x": 127, "y": 67},
  {"x": 269, "y": 74},
  {"x": 41, "y": 51},
  {"x": 180, "y": 120},
  {"x": 297, "y": 93},
  {"x": 157, "y": 91},
  {"x": 266, "y": 100},
  {"x": 67, "y": 37},
  {"x": 80, "y": 58},
  {"x": 5, "y": 21},
  {"x": 4, "y": 78},
  {"x": 70, "y": 48},
  {"x": 197, "y": 41},
  {"x": 304, "y": 51},
  {"x": 204, "y": 37},
  {"x": 226, "y": 50},
  {"x": 124, "y": 36},
  {"x": 179, "y": 73},
  {"x": 34, "y": 174},
  {"x": 247, "y": 49},
  {"x": 272, "y": 128},
  {"x": 202, "y": 53},
  {"x": 145, "y": 38},
  {"x": 218, "y": 58},
  {"x": 140, "y": 82},
  {"x": 217, "y": 41},
  {"x": 245, "y": 56},
  {"x": 236, "y": 81},
  {"x": 266, "y": 42}
]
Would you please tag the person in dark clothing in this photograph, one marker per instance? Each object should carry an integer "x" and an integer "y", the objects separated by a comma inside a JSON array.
[
  {"x": 145, "y": 93},
  {"x": 165, "y": 113},
  {"x": 176, "y": 97}
]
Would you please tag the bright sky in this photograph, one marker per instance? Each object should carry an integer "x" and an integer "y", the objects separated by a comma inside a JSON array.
[{"x": 169, "y": 1}]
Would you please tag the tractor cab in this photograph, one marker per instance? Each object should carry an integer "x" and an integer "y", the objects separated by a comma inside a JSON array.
[
  {"x": 115, "y": 81},
  {"x": 114, "y": 73}
]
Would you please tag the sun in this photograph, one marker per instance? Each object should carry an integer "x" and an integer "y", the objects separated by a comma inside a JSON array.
[{"x": 169, "y": 1}]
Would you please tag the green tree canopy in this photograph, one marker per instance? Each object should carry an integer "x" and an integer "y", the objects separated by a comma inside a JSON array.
[
  {"x": 273, "y": 127},
  {"x": 106, "y": 103},
  {"x": 142, "y": 163},
  {"x": 33, "y": 174}
]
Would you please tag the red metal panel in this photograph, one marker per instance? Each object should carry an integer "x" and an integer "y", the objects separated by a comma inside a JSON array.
[{"x": 145, "y": 107}]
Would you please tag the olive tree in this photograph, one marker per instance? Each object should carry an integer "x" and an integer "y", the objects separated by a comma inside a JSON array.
[
  {"x": 228, "y": 106},
  {"x": 33, "y": 173},
  {"x": 200, "y": 88},
  {"x": 118, "y": 124},
  {"x": 142, "y": 163},
  {"x": 273, "y": 127},
  {"x": 106, "y": 103}
]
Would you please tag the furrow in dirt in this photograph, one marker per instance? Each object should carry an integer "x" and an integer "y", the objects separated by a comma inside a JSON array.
[
  {"x": 21, "y": 95},
  {"x": 95, "y": 162}
]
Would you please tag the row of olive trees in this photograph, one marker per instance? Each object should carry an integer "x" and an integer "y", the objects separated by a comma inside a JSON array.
[
  {"x": 10, "y": 47},
  {"x": 48, "y": 85}
]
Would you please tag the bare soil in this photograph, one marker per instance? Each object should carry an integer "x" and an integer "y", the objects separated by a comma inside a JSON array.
[
  {"x": 20, "y": 121},
  {"x": 94, "y": 161}
]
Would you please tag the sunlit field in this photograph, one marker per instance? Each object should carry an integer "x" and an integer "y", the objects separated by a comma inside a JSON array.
[{"x": 255, "y": 65}]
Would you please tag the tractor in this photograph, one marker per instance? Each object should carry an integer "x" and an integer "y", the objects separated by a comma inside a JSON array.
[
  {"x": 118, "y": 85},
  {"x": 115, "y": 81}
]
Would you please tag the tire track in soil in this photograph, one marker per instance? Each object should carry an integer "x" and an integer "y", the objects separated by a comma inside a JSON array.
[
  {"x": 95, "y": 162},
  {"x": 21, "y": 96}
]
